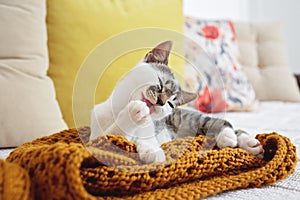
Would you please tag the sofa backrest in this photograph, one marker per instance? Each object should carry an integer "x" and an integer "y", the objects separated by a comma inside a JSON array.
[{"x": 263, "y": 55}]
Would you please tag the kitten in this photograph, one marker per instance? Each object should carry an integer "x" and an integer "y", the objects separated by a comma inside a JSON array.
[{"x": 144, "y": 108}]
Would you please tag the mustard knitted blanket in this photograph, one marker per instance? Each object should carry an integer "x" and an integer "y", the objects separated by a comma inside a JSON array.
[{"x": 61, "y": 167}]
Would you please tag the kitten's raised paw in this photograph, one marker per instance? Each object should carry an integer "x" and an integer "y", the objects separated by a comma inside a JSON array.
[
  {"x": 134, "y": 114},
  {"x": 150, "y": 154},
  {"x": 251, "y": 144},
  {"x": 138, "y": 112},
  {"x": 226, "y": 138}
]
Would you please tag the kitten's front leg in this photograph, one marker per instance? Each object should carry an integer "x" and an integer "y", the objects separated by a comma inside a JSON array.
[
  {"x": 137, "y": 125},
  {"x": 135, "y": 114}
]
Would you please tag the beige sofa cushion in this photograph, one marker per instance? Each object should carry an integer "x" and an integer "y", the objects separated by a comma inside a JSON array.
[
  {"x": 28, "y": 105},
  {"x": 264, "y": 57}
]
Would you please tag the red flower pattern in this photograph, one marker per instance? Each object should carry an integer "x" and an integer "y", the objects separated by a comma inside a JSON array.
[
  {"x": 210, "y": 32},
  {"x": 234, "y": 67},
  {"x": 212, "y": 35},
  {"x": 232, "y": 30},
  {"x": 211, "y": 102}
]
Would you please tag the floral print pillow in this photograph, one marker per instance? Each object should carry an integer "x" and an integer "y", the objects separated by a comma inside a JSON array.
[{"x": 212, "y": 68}]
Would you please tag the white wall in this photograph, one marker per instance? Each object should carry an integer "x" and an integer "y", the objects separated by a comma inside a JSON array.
[
  {"x": 214, "y": 9},
  {"x": 286, "y": 11}
]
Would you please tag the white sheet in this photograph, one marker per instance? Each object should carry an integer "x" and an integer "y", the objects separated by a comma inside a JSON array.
[
  {"x": 4, "y": 153},
  {"x": 288, "y": 189}
]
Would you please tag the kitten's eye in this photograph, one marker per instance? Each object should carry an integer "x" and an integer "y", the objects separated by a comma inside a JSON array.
[
  {"x": 170, "y": 104},
  {"x": 160, "y": 87},
  {"x": 152, "y": 90},
  {"x": 174, "y": 98}
]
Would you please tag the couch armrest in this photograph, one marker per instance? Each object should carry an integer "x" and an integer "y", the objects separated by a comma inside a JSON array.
[{"x": 298, "y": 79}]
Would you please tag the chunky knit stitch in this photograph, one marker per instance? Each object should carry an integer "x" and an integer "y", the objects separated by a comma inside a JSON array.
[
  {"x": 14, "y": 182},
  {"x": 61, "y": 167}
]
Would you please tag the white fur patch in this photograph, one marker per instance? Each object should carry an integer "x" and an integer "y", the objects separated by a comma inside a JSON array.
[
  {"x": 226, "y": 138},
  {"x": 150, "y": 153}
]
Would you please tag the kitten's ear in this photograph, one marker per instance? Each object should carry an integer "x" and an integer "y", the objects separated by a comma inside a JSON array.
[
  {"x": 185, "y": 97},
  {"x": 159, "y": 54}
]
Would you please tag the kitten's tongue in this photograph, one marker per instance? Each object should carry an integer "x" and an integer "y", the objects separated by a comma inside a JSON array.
[
  {"x": 150, "y": 106},
  {"x": 152, "y": 109}
]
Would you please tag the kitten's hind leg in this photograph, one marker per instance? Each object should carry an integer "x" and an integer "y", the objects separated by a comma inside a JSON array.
[
  {"x": 245, "y": 141},
  {"x": 226, "y": 138}
]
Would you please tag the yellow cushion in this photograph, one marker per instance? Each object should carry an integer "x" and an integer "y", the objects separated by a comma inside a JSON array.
[{"x": 76, "y": 27}]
